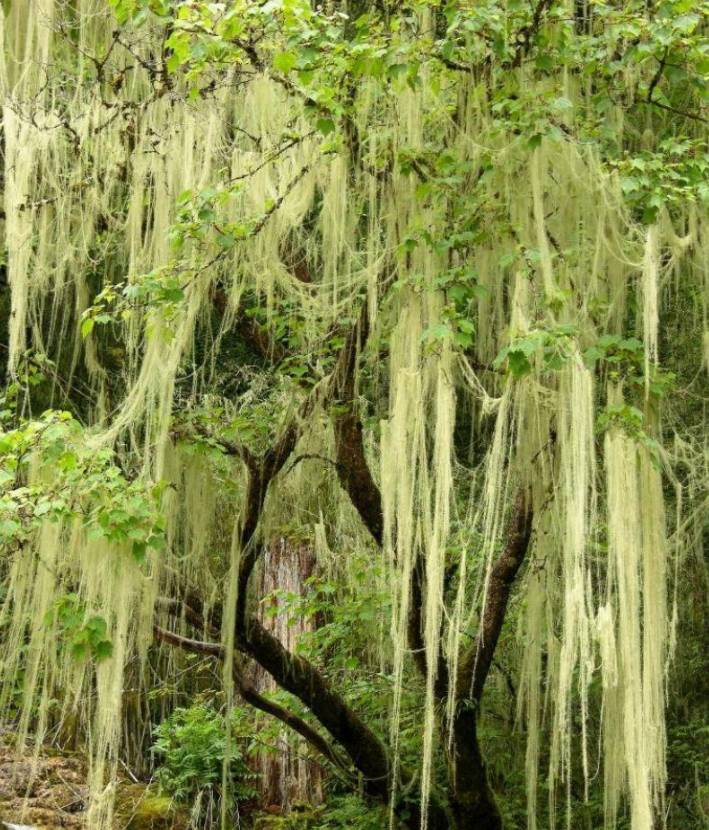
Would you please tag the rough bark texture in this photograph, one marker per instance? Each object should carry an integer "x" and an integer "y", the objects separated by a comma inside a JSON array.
[{"x": 288, "y": 775}]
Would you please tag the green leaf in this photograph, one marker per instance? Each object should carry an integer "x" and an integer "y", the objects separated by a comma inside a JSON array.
[
  {"x": 593, "y": 355},
  {"x": 423, "y": 190},
  {"x": 500, "y": 359},
  {"x": 103, "y": 650},
  {"x": 535, "y": 141},
  {"x": 285, "y": 61},
  {"x": 79, "y": 651},
  {"x": 439, "y": 331},
  {"x": 325, "y": 125},
  {"x": 138, "y": 550},
  {"x": 518, "y": 363},
  {"x": 608, "y": 341},
  {"x": 631, "y": 344}
]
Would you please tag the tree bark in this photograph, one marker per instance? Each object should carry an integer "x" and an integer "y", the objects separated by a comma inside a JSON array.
[
  {"x": 288, "y": 775},
  {"x": 473, "y": 802}
]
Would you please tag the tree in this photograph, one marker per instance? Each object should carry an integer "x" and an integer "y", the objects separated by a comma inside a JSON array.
[{"x": 255, "y": 248}]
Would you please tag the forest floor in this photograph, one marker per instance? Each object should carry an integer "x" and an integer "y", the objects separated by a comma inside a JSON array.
[
  {"x": 47, "y": 792},
  {"x": 50, "y": 792}
]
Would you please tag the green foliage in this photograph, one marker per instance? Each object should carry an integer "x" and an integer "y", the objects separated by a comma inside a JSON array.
[
  {"x": 673, "y": 175},
  {"x": 345, "y": 812},
  {"x": 86, "y": 484},
  {"x": 344, "y": 644},
  {"x": 552, "y": 343},
  {"x": 623, "y": 359},
  {"x": 354, "y": 612},
  {"x": 86, "y": 635},
  {"x": 191, "y": 750},
  {"x": 32, "y": 370}
]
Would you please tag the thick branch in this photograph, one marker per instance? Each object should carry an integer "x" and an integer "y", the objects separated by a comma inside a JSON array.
[
  {"x": 474, "y": 803},
  {"x": 415, "y": 635},
  {"x": 352, "y": 469},
  {"x": 476, "y": 667},
  {"x": 292, "y": 672},
  {"x": 249, "y": 693},
  {"x": 364, "y": 748},
  {"x": 299, "y": 677}
]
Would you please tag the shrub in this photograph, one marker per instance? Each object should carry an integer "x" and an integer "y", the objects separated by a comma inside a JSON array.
[{"x": 191, "y": 749}]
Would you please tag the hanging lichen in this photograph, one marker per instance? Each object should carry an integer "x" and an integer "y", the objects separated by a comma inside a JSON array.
[{"x": 180, "y": 213}]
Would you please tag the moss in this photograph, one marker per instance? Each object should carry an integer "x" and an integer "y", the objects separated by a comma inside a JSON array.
[
  {"x": 140, "y": 809},
  {"x": 153, "y": 813},
  {"x": 301, "y": 817}
]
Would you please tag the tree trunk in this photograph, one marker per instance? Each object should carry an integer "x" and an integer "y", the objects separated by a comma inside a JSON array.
[
  {"x": 472, "y": 802},
  {"x": 288, "y": 775}
]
